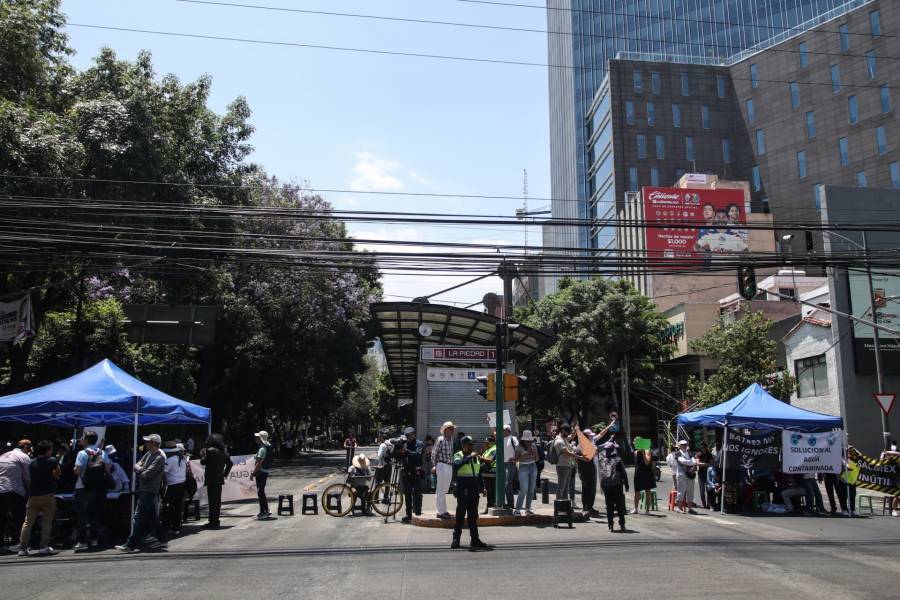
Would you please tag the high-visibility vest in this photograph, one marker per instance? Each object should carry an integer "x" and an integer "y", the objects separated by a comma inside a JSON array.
[
  {"x": 490, "y": 455},
  {"x": 472, "y": 469}
]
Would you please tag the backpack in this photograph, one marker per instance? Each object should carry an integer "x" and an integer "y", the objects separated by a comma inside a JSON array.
[
  {"x": 609, "y": 474},
  {"x": 553, "y": 454},
  {"x": 269, "y": 458},
  {"x": 95, "y": 476}
]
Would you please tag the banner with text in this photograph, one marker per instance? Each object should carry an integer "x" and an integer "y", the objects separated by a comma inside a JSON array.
[
  {"x": 879, "y": 475},
  {"x": 812, "y": 452},
  {"x": 753, "y": 451},
  {"x": 238, "y": 485},
  {"x": 16, "y": 319}
]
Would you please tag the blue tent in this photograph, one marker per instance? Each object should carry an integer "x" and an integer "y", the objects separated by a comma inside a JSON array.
[
  {"x": 755, "y": 408},
  {"x": 102, "y": 395}
]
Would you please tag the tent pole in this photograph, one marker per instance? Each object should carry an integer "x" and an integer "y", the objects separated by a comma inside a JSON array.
[
  {"x": 724, "y": 464},
  {"x": 133, "y": 474}
]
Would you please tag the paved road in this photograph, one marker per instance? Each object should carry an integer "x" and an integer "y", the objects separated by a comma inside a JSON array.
[{"x": 662, "y": 556}]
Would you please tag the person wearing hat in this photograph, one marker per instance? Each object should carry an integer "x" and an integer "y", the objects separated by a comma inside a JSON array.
[
  {"x": 685, "y": 472},
  {"x": 175, "y": 478},
  {"x": 360, "y": 473},
  {"x": 149, "y": 472},
  {"x": 15, "y": 479},
  {"x": 442, "y": 459},
  {"x": 411, "y": 452},
  {"x": 469, "y": 486},
  {"x": 261, "y": 469},
  {"x": 121, "y": 481},
  {"x": 613, "y": 478},
  {"x": 526, "y": 457}
]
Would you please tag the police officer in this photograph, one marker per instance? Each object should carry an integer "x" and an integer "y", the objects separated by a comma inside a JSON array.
[
  {"x": 411, "y": 482},
  {"x": 469, "y": 485}
]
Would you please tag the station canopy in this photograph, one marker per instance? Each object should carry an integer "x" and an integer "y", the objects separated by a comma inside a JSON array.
[{"x": 398, "y": 328}]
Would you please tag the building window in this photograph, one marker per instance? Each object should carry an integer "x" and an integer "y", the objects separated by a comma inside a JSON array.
[
  {"x": 660, "y": 147},
  {"x": 751, "y": 111},
  {"x": 760, "y": 142},
  {"x": 875, "y": 22},
  {"x": 754, "y": 76},
  {"x": 801, "y": 164},
  {"x": 656, "y": 83},
  {"x": 638, "y": 82},
  {"x": 835, "y": 79},
  {"x": 804, "y": 55},
  {"x": 881, "y": 140},
  {"x": 629, "y": 112},
  {"x": 676, "y": 115},
  {"x": 757, "y": 180},
  {"x": 685, "y": 85},
  {"x": 654, "y": 176},
  {"x": 726, "y": 151},
  {"x": 818, "y": 193},
  {"x": 845, "y": 37},
  {"x": 812, "y": 376},
  {"x": 852, "y": 110},
  {"x": 885, "y": 99},
  {"x": 651, "y": 114},
  {"x": 844, "y": 151},
  {"x": 633, "y": 185},
  {"x": 895, "y": 174},
  {"x": 861, "y": 179},
  {"x": 641, "y": 146},
  {"x": 810, "y": 125},
  {"x": 765, "y": 205},
  {"x": 871, "y": 64},
  {"x": 795, "y": 95},
  {"x": 722, "y": 86},
  {"x": 689, "y": 148},
  {"x": 704, "y": 116}
]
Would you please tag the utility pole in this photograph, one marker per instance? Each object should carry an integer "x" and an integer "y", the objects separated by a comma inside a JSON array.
[
  {"x": 876, "y": 337},
  {"x": 501, "y": 338},
  {"x": 626, "y": 400}
]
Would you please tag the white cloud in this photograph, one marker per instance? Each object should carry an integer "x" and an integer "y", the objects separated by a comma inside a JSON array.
[
  {"x": 418, "y": 178},
  {"x": 374, "y": 174}
]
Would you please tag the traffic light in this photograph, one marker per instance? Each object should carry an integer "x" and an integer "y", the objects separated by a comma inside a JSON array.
[
  {"x": 747, "y": 282},
  {"x": 810, "y": 245},
  {"x": 489, "y": 391}
]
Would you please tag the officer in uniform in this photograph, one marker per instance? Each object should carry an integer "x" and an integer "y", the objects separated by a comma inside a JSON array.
[
  {"x": 411, "y": 481},
  {"x": 469, "y": 485}
]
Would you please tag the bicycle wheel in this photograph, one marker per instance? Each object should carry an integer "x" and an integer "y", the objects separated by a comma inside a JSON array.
[
  {"x": 387, "y": 499},
  {"x": 338, "y": 499}
]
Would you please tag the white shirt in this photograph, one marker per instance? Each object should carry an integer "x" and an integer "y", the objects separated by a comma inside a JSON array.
[
  {"x": 509, "y": 448},
  {"x": 685, "y": 460},
  {"x": 120, "y": 478},
  {"x": 176, "y": 473},
  {"x": 384, "y": 451}
]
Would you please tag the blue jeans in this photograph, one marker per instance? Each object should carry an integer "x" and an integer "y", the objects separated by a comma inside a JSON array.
[
  {"x": 146, "y": 517},
  {"x": 527, "y": 480},
  {"x": 510, "y": 475}
]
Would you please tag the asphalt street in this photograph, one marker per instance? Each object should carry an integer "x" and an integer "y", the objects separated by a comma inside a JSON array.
[{"x": 660, "y": 556}]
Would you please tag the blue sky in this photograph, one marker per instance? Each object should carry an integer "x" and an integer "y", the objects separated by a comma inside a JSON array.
[{"x": 362, "y": 121}]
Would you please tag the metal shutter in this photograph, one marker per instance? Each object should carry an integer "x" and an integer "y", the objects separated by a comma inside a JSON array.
[{"x": 457, "y": 401}]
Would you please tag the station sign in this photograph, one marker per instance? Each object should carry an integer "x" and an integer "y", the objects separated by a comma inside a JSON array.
[{"x": 462, "y": 354}]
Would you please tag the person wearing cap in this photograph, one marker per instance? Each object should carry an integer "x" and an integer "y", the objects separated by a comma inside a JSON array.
[
  {"x": 15, "y": 480},
  {"x": 469, "y": 486},
  {"x": 175, "y": 477},
  {"x": 613, "y": 478},
  {"x": 442, "y": 459},
  {"x": 411, "y": 477},
  {"x": 89, "y": 499},
  {"x": 149, "y": 472},
  {"x": 685, "y": 472},
  {"x": 261, "y": 469},
  {"x": 526, "y": 457}
]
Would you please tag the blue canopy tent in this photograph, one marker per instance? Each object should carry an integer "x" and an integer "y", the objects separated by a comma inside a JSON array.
[{"x": 755, "y": 408}]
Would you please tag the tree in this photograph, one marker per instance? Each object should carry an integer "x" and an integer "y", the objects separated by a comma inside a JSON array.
[
  {"x": 599, "y": 324},
  {"x": 746, "y": 355}
]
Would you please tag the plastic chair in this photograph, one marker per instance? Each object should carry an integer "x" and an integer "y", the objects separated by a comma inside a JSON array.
[
  {"x": 286, "y": 504},
  {"x": 859, "y": 504},
  {"x": 654, "y": 502},
  {"x": 562, "y": 513},
  {"x": 673, "y": 498},
  {"x": 309, "y": 506}
]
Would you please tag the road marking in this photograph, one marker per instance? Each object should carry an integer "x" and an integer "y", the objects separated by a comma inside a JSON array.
[
  {"x": 313, "y": 486},
  {"x": 722, "y": 521}
]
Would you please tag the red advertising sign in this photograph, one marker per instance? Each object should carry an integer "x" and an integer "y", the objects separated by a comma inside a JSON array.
[{"x": 696, "y": 224}]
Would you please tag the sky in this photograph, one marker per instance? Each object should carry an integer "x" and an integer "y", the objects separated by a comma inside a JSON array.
[{"x": 361, "y": 121}]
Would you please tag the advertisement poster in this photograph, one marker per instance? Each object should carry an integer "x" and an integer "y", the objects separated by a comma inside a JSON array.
[
  {"x": 754, "y": 451},
  {"x": 887, "y": 302},
  {"x": 238, "y": 486},
  {"x": 16, "y": 319},
  {"x": 812, "y": 452},
  {"x": 879, "y": 475},
  {"x": 696, "y": 224}
]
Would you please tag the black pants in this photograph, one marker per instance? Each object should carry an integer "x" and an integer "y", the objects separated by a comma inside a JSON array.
[
  {"x": 466, "y": 506},
  {"x": 88, "y": 504},
  {"x": 12, "y": 515},
  {"x": 701, "y": 483},
  {"x": 174, "y": 506},
  {"x": 830, "y": 485},
  {"x": 214, "y": 496},
  {"x": 588, "y": 485},
  {"x": 846, "y": 492},
  {"x": 615, "y": 502},
  {"x": 261, "y": 479},
  {"x": 490, "y": 487},
  {"x": 350, "y": 452},
  {"x": 412, "y": 493}
]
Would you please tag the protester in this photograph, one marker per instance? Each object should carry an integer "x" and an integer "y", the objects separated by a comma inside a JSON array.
[
  {"x": 469, "y": 485},
  {"x": 713, "y": 487},
  {"x": 217, "y": 465},
  {"x": 175, "y": 477},
  {"x": 14, "y": 483},
  {"x": 489, "y": 471},
  {"x": 684, "y": 478},
  {"x": 149, "y": 472},
  {"x": 411, "y": 452},
  {"x": 704, "y": 458},
  {"x": 565, "y": 461},
  {"x": 510, "y": 444},
  {"x": 613, "y": 478},
  {"x": 350, "y": 446},
  {"x": 644, "y": 478},
  {"x": 121, "y": 481},
  {"x": 790, "y": 487},
  {"x": 43, "y": 473},
  {"x": 92, "y": 467},
  {"x": 442, "y": 459},
  {"x": 360, "y": 474},
  {"x": 261, "y": 469},
  {"x": 526, "y": 457},
  {"x": 672, "y": 462},
  {"x": 813, "y": 496},
  {"x": 893, "y": 453},
  {"x": 381, "y": 463},
  {"x": 847, "y": 491},
  {"x": 587, "y": 472}
]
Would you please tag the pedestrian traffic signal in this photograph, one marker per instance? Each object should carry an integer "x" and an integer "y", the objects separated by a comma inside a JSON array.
[
  {"x": 489, "y": 391},
  {"x": 747, "y": 283}
]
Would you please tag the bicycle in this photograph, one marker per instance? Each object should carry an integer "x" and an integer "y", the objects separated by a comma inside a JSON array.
[{"x": 386, "y": 498}]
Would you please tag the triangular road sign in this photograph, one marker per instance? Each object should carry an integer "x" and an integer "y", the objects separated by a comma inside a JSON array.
[{"x": 885, "y": 401}]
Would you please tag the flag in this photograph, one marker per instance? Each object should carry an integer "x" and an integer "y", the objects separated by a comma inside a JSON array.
[{"x": 588, "y": 449}]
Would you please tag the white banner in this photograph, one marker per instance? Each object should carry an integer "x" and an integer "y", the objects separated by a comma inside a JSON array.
[
  {"x": 492, "y": 419},
  {"x": 811, "y": 452},
  {"x": 16, "y": 319},
  {"x": 238, "y": 486}
]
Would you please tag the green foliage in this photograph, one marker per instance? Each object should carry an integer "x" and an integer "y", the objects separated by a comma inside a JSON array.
[{"x": 746, "y": 355}]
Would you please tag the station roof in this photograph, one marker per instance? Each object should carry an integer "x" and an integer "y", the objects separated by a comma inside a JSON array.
[{"x": 398, "y": 328}]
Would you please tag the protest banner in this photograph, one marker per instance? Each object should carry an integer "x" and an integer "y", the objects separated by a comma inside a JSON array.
[
  {"x": 238, "y": 485},
  {"x": 875, "y": 474},
  {"x": 588, "y": 449},
  {"x": 753, "y": 451},
  {"x": 641, "y": 443},
  {"x": 16, "y": 319},
  {"x": 812, "y": 452},
  {"x": 492, "y": 419}
]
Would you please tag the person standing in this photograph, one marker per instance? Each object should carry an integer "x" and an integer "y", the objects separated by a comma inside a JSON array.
[
  {"x": 91, "y": 468},
  {"x": 426, "y": 462},
  {"x": 261, "y": 469},
  {"x": 382, "y": 462},
  {"x": 704, "y": 458},
  {"x": 613, "y": 478},
  {"x": 489, "y": 472},
  {"x": 217, "y": 465},
  {"x": 442, "y": 459},
  {"x": 686, "y": 472},
  {"x": 587, "y": 473},
  {"x": 175, "y": 477},
  {"x": 526, "y": 456},
  {"x": 149, "y": 472},
  {"x": 510, "y": 444},
  {"x": 644, "y": 479},
  {"x": 43, "y": 473},
  {"x": 565, "y": 462},
  {"x": 14, "y": 483},
  {"x": 413, "y": 472},
  {"x": 350, "y": 446},
  {"x": 469, "y": 486}
]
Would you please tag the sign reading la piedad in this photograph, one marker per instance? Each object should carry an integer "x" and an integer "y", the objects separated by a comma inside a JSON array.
[
  {"x": 879, "y": 475},
  {"x": 812, "y": 452}
]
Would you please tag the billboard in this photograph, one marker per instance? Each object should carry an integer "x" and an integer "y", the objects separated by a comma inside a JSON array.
[
  {"x": 887, "y": 302},
  {"x": 697, "y": 224}
]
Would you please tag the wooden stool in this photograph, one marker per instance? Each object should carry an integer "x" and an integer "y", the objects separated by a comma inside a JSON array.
[
  {"x": 286, "y": 504},
  {"x": 562, "y": 513},
  {"x": 868, "y": 500},
  {"x": 191, "y": 506},
  {"x": 310, "y": 506},
  {"x": 654, "y": 503},
  {"x": 673, "y": 498}
]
